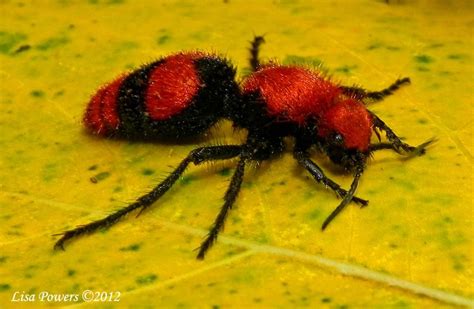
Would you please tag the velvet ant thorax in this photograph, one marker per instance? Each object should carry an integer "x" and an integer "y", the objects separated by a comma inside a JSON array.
[
  {"x": 180, "y": 95},
  {"x": 292, "y": 93},
  {"x": 300, "y": 95}
]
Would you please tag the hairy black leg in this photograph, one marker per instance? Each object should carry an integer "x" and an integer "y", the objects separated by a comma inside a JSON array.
[
  {"x": 354, "y": 92},
  {"x": 380, "y": 146},
  {"x": 303, "y": 158},
  {"x": 229, "y": 198},
  {"x": 380, "y": 95},
  {"x": 419, "y": 150},
  {"x": 358, "y": 172},
  {"x": 254, "y": 52},
  {"x": 361, "y": 93},
  {"x": 397, "y": 145},
  {"x": 196, "y": 156}
]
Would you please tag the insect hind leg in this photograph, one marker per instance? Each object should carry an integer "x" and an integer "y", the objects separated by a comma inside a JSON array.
[
  {"x": 196, "y": 156},
  {"x": 374, "y": 96}
]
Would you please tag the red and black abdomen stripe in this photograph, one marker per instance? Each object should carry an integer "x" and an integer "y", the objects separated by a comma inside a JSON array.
[{"x": 178, "y": 96}]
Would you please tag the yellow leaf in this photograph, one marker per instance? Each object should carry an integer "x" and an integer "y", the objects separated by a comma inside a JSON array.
[{"x": 412, "y": 247}]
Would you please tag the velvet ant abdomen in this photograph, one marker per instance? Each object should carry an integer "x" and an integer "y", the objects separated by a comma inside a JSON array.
[
  {"x": 178, "y": 96},
  {"x": 101, "y": 115}
]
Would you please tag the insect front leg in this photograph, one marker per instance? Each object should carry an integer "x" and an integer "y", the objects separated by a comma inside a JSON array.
[
  {"x": 395, "y": 142},
  {"x": 347, "y": 198},
  {"x": 303, "y": 158}
]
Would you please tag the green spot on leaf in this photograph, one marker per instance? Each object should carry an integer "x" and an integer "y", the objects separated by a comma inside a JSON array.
[
  {"x": 100, "y": 177},
  {"x": 148, "y": 171},
  {"x": 107, "y": 2},
  {"x": 4, "y": 287},
  {"x": 132, "y": 247},
  {"x": 50, "y": 171},
  {"x": 22, "y": 48},
  {"x": 224, "y": 172},
  {"x": 71, "y": 272},
  {"x": 51, "y": 43},
  {"x": 436, "y": 45},
  {"x": 456, "y": 56},
  {"x": 37, "y": 93},
  {"x": 314, "y": 214},
  {"x": 393, "y": 48},
  {"x": 346, "y": 69},
  {"x": 186, "y": 180},
  {"x": 127, "y": 45},
  {"x": 10, "y": 40},
  {"x": 404, "y": 184},
  {"x": 248, "y": 184},
  {"x": 163, "y": 39},
  {"x": 147, "y": 279},
  {"x": 425, "y": 59},
  {"x": 374, "y": 46},
  {"x": 423, "y": 69}
]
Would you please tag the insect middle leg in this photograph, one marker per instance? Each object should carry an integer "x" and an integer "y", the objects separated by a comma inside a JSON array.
[
  {"x": 229, "y": 199},
  {"x": 196, "y": 156},
  {"x": 374, "y": 96},
  {"x": 259, "y": 146}
]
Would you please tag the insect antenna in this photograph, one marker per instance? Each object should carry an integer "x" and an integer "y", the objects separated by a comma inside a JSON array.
[{"x": 347, "y": 198}]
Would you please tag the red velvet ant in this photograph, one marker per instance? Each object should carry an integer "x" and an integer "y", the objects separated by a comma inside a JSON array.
[{"x": 183, "y": 95}]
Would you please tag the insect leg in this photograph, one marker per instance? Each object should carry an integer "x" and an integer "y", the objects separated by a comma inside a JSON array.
[
  {"x": 419, "y": 150},
  {"x": 380, "y": 95},
  {"x": 303, "y": 158},
  {"x": 380, "y": 146},
  {"x": 254, "y": 52},
  {"x": 395, "y": 142},
  {"x": 196, "y": 156},
  {"x": 375, "y": 96},
  {"x": 229, "y": 199},
  {"x": 347, "y": 198},
  {"x": 354, "y": 92}
]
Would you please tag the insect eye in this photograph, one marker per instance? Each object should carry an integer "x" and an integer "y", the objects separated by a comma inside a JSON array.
[{"x": 337, "y": 139}]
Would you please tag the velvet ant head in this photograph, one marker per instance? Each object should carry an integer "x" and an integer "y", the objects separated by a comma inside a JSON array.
[
  {"x": 183, "y": 95},
  {"x": 345, "y": 129}
]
